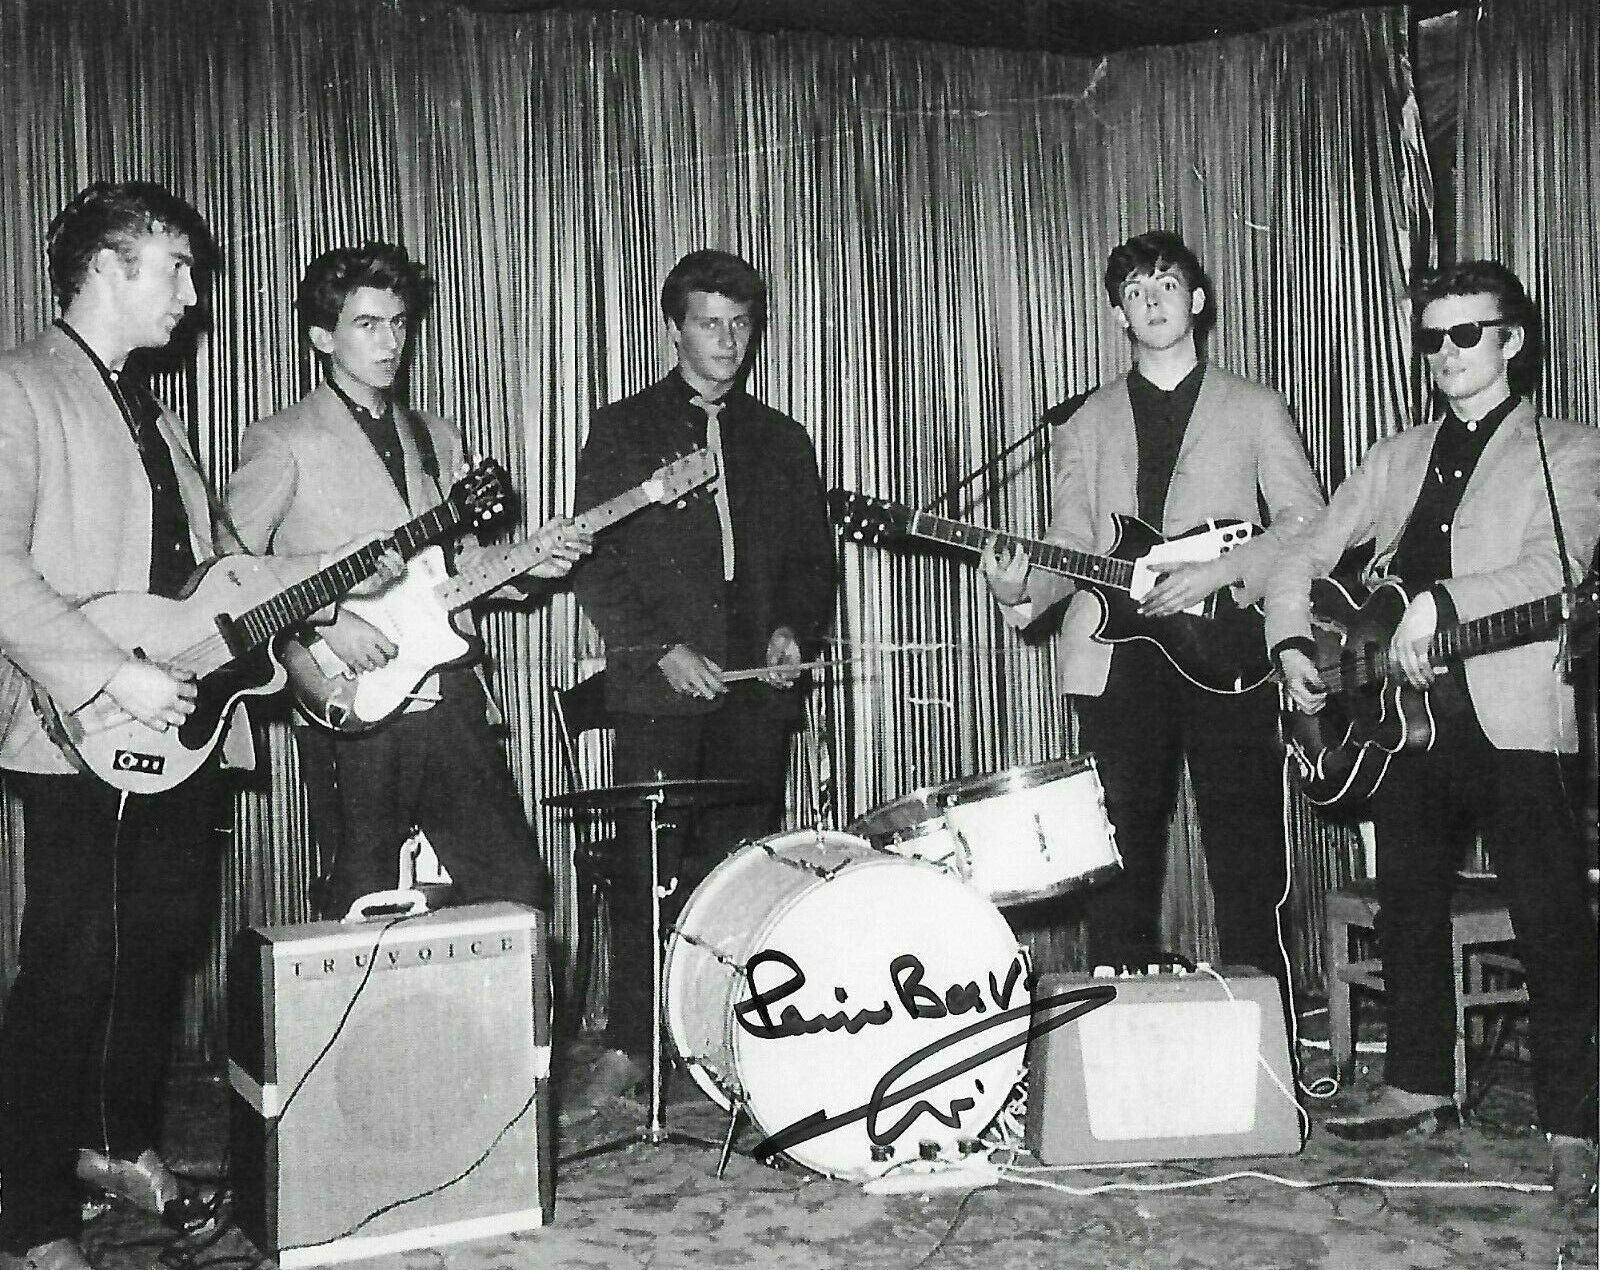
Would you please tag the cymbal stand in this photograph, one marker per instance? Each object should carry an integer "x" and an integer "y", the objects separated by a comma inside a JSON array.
[{"x": 655, "y": 1131}]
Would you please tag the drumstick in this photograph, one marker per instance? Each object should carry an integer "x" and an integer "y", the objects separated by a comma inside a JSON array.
[{"x": 755, "y": 672}]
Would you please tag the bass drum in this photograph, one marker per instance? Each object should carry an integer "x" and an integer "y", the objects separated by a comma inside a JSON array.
[{"x": 862, "y": 1007}]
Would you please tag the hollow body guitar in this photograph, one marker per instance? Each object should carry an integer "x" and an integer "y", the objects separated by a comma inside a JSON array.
[
  {"x": 1218, "y": 645},
  {"x": 1342, "y": 753},
  {"x": 226, "y": 632},
  {"x": 416, "y": 612}
]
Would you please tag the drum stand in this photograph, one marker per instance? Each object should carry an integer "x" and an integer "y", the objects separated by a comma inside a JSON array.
[{"x": 655, "y": 1131}]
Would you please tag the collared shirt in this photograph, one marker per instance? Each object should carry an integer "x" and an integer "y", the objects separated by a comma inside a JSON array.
[
  {"x": 1160, "y": 418},
  {"x": 384, "y": 434},
  {"x": 1422, "y": 556},
  {"x": 172, "y": 561}
]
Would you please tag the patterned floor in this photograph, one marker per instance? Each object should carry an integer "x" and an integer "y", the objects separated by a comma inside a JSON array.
[{"x": 663, "y": 1207}]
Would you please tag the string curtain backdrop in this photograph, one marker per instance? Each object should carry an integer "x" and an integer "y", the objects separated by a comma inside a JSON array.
[{"x": 933, "y": 222}]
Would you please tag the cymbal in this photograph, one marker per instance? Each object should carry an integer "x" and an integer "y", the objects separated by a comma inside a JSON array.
[{"x": 671, "y": 793}]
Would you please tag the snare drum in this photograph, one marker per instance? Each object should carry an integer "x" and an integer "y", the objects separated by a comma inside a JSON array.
[
  {"x": 1018, "y": 835},
  {"x": 811, "y": 973}
]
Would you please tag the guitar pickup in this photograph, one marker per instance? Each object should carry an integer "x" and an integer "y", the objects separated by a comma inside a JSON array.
[{"x": 134, "y": 761}]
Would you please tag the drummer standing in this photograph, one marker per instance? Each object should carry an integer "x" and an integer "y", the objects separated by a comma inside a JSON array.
[
  {"x": 1175, "y": 441},
  {"x": 739, "y": 575}
]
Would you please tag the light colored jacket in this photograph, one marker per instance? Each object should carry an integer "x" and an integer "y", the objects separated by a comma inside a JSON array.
[
  {"x": 1502, "y": 554},
  {"x": 1241, "y": 448},
  {"x": 74, "y": 523}
]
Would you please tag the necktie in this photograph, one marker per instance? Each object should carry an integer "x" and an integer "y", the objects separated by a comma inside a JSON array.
[{"x": 719, "y": 487}]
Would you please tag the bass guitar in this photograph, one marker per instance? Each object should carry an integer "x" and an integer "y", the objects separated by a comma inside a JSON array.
[
  {"x": 1341, "y": 754},
  {"x": 1218, "y": 645},
  {"x": 224, "y": 632},
  {"x": 415, "y": 612}
]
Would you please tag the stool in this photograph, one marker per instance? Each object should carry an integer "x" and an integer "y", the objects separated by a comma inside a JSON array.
[{"x": 1477, "y": 916}]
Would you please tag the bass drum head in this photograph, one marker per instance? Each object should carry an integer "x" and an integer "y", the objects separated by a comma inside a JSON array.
[{"x": 862, "y": 1009}]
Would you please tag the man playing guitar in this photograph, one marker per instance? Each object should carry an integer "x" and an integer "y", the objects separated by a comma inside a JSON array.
[
  {"x": 350, "y": 460},
  {"x": 1175, "y": 441},
  {"x": 99, "y": 493},
  {"x": 1470, "y": 514}
]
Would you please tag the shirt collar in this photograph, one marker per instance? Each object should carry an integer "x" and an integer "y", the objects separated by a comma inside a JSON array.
[
  {"x": 1488, "y": 423},
  {"x": 361, "y": 413},
  {"x": 1189, "y": 383}
]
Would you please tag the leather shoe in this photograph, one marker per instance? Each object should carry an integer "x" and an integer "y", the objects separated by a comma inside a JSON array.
[
  {"x": 615, "y": 1074},
  {"x": 1572, "y": 1174},
  {"x": 1392, "y": 1113},
  {"x": 146, "y": 1184},
  {"x": 57, "y": 1254}
]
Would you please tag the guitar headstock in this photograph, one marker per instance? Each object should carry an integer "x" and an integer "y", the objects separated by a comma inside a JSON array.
[
  {"x": 482, "y": 495},
  {"x": 673, "y": 480},
  {"x": 862, "y": 518}
]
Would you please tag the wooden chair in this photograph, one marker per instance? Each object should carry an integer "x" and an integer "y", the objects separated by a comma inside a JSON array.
[
  {"x": 1479, "y": 920},
  {"x": 579, "y": 710}
]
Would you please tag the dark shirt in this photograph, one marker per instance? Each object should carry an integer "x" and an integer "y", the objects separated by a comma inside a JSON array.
[
  {"x": 382, "y": 432},
  {"x": 1422, "y": 556},
  {"x": 172, "y": 560},
  {"x": 1160, "y": 418}
]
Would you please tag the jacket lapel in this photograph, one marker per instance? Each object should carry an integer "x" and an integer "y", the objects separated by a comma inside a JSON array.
[{"x": 347, "y": 443}]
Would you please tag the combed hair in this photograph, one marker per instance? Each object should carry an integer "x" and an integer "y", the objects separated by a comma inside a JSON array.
[
  {"x": 117, "y": 215},
  {"x": 1152, "y": 252},
  {"x": 1491, "y": 278},
  {"x": 335, "y": 275},
  {"x": 717, "y": 273}
]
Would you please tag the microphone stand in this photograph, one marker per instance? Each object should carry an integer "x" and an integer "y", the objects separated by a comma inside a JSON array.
[{"x": 1051, "y": 418}]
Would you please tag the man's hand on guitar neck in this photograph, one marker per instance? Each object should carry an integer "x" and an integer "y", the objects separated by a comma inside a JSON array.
[
  {"x": 144, "y": 691},
  {"x": 1408, "y": 650},
  {"x": 1007, "y": 577}
]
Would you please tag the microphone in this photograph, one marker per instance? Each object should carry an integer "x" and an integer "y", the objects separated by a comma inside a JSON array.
[{"x": 1054, "y": 417}]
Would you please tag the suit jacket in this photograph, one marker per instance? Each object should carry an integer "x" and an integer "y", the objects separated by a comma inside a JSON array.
[
  {"x": 1502, "y": 553},
  {"x": 656, "y": 579},
  {"x": 74, "y": 523},
  {"x": 1240, "y": 449},
  {"x": 309, "y": 481}
]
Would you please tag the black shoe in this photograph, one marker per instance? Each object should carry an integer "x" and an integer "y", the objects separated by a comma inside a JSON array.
[{"x": 1381, "y": 1122}]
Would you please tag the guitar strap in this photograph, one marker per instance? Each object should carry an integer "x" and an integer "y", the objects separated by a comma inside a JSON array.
[{"x": 1561, "y": 542}]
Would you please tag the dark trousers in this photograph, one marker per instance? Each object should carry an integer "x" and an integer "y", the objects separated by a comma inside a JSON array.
[
  {"x": 741, "y": 740},
  {"x": 1147, "y": 720},
  {"x": 440, "y": 770},
  {"x": 113, "y": 917},
  {"x": 1422, "y": 815}
]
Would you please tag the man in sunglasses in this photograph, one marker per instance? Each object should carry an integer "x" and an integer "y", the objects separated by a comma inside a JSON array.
[{"x": 1460, "y": 511}]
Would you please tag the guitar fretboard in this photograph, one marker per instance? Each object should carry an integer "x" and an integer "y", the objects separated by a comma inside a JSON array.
[
  {"x": 497, "y": 566},
  {"x": 290, "y": 607},
  {"x": 1050, "y": 556}
]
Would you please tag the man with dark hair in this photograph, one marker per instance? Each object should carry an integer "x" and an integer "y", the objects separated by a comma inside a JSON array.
[
  {"x": 1470, "y": 513},
  {"x": 99, "y": 492},
  {"x": 739, "y": 577},
  {"x": 347, "y": 463},
  {"x": 1176, "y": 441}
]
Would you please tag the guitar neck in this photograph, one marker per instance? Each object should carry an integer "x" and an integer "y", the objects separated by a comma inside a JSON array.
[
  {"x": 498, "y": 565},
  {"x": 290, "y": 608},
  {"x": 1508, "y": 628},
  {"x": 1052, "y": 557}
]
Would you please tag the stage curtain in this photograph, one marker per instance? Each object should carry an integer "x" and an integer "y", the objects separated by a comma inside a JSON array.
[{"x": 933, "y": 221}]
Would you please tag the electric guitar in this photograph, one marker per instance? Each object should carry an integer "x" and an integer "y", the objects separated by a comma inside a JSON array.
[
  {"x": 224, "y": 632},
  {"x": 415, "y": 612},
  {"x": 1342, "y": 752},
  {"x": 1217, "y": 645}
]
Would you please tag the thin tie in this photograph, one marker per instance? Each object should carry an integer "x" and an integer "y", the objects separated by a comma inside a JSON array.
[{"x": 719, "y": 486}]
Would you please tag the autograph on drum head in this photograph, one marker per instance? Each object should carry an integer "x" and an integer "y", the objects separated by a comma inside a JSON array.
[{"x": 901, "y": 1083}]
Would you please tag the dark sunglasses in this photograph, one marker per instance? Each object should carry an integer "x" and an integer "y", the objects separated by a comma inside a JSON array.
[{"x": 1430, "y": 339}]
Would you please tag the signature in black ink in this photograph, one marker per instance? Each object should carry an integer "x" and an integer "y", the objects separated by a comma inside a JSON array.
[
  {"x": 906, "y": 974},
  {"x": 1075, "y": 1003}
]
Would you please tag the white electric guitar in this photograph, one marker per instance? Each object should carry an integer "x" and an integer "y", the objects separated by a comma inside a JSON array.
[{"x": 415, "y": 612}]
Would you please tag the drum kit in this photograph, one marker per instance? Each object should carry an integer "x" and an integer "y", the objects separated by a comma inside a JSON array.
[{"x": 858, "y": 995}]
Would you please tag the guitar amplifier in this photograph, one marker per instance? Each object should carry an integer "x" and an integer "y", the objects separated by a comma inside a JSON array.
[
  {"x": 390, "y": 1083},
  {"x": 1174, "y": 1067}
]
